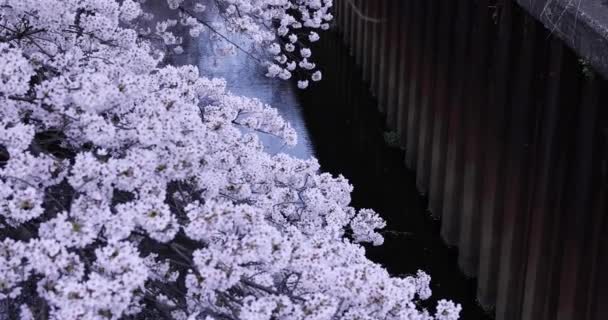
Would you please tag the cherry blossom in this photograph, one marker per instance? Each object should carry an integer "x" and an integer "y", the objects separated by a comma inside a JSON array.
[{"x": 132, "y": 188}]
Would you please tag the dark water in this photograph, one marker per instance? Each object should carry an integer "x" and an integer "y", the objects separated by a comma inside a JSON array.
[{"x": 348, "y": 135}]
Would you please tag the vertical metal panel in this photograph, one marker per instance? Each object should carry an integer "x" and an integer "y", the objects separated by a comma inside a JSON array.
[
  {"x": 415, "y": 72},
  {"x": 379, "y": 39},
  {"x": 359, "y": 45},
  {"x": 577, "y": 226},
  {"x": 450, "y": 225},
  {"x": 494, "y": 153},
  {"x": 338, "y": 12},
  {"x": 347, "y": 32},
  {"x": 375, "y": 44},
  {"x": 371, "y": 38},
  {"x": 518, "y": 156},
  {"x": 363, "y": 28},
  {"x": 598, "y": 306},
  {"x": 475, "y": 128},
  {"x": 352, "y": 42},
  {"x": 597, "y": 231},
  {"x": 444, "y": 77},
  {"x": 366, "y": 49},
  {"x": 344, "y": 20},
  {"x": 392, "y": 25},
  {"x": 391, "y": 95},
  {"x": 335, "y": 11},
  {"x": 548, "y": 182},
  {"x": 427, "y": 86},
  {"x": 384, "y": 55},
  {"x": 405, "y": 55}
]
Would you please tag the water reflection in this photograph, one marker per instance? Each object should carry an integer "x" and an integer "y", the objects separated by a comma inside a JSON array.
[{"x": 246, "y": 77}]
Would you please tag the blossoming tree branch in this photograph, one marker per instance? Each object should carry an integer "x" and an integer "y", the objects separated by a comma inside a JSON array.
[{"x": 129, "y": 189}]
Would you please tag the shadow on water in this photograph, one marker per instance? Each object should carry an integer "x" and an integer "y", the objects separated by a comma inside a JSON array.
[{"x": 347, "y": 132}]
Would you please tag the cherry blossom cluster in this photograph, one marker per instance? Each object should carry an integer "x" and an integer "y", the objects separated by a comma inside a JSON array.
[
  {"x": 134, "y": 189},
  {"x": 280, "y": 31},
  {"x": 286, "y": 29}
]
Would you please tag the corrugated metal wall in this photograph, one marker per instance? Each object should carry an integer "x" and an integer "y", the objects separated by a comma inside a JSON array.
[{"x": 507, "y": 131}]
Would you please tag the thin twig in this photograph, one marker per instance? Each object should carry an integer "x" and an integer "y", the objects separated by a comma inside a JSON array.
[{"x": 221, "y": 35}]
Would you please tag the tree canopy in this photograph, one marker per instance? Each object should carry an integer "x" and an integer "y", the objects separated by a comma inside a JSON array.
[{"x": 129, "y": 189}]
